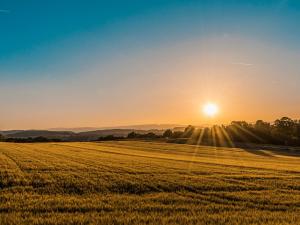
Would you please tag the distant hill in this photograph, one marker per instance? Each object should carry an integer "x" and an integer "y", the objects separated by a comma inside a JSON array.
[
  {"x": 93, "y": 135},
  {"x": 7, "y": 132},
  {"x": 75, "y": 129},
  {"x": 38, "y": 133},
  {"x": 72, "y": 136},
  {"x": 129, "y": 127}
]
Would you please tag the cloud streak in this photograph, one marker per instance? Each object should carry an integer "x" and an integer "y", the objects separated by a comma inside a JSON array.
[
  {"x": 242, "y": 64},
  {"x": 5, "y": 11}
]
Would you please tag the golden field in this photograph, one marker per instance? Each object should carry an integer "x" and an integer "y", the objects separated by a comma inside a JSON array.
[{"x": 131, "y": 182}]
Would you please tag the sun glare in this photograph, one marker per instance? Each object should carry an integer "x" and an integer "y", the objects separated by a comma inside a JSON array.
[{"x": 210, "y": 109}]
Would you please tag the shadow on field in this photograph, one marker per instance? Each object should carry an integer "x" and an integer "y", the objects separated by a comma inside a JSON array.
[
  {"x": 272, "y": 151},
  {"x": 259, "y": 152}
]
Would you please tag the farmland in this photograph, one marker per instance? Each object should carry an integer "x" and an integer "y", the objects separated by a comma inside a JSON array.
[{"x": 131, "y": 182}]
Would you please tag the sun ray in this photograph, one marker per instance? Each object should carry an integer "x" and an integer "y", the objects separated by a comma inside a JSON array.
[
  {"x": 227, "y": 137},
  {"x": 249, "y": 132}
]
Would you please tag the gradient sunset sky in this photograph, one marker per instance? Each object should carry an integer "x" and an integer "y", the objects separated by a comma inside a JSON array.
[{"x": 111, "y": 63}]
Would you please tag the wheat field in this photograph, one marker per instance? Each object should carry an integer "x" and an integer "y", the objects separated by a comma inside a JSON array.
[{"x": 131, "y": 182}]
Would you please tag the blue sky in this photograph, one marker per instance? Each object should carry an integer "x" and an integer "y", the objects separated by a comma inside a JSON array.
[
  {"x": 35, "y": 32},
  {"x": 62, "y": 44}
]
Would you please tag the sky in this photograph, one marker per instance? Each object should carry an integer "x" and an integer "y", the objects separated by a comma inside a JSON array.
[{"x": 112, "y": 63}]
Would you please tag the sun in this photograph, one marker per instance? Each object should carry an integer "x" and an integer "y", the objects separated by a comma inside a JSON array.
[{"x": 210, "y": 109}]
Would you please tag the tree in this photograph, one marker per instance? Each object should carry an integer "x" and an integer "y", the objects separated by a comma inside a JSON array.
[
  {"x": 298, "y": 130},
  {"x": 286, "y": 126},
  {"x": 168, "y": 133},
  {"x": 2, "y": 137},
  {"x": 150, "y": 135},
  {"x": 177, "y": 134},
  {"x": 262, "y": 126},
  {"x": 240, "y": 124},
  {"x": 188, "y": 131},
  {"x": 132, "y": 135}
]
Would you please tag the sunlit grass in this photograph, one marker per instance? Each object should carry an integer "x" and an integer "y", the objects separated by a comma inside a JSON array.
[{"x": 142, "y": 182}]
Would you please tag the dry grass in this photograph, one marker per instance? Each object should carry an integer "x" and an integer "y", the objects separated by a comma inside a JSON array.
[{"x": 146, "y": 183}]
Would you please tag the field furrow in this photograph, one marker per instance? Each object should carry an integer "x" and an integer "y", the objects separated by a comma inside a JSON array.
[{"x": 130, "y": 182}]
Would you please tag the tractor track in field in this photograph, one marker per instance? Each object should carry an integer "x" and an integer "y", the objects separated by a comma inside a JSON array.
[{"x": 15, "y": 162}]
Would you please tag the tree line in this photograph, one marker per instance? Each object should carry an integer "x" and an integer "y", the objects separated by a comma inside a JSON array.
[
  {"x": 284, "y": 131},
  {"x": 39, "y": 139}
]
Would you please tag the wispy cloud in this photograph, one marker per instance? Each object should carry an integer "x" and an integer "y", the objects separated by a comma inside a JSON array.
[
  {"x": 242, "y": 64},
  {"x": 282, "y": 3},
  {"x": 4, "y": 11}
]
